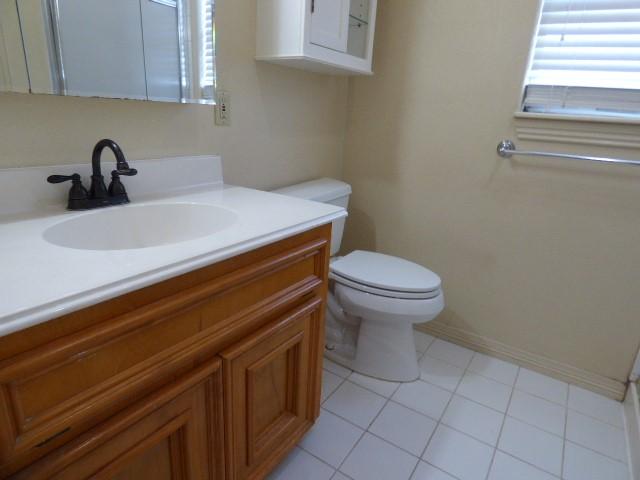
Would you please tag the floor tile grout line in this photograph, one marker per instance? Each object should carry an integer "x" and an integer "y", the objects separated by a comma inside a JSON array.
[
  {"x": 389, "y": 400},
  {"x": 439, "y": 422},
  {"x": 413, "y": 409},
  {"x": 564, "y": 404},
  {"x": 537, "y": 467},
  {"x": 350, "y": 452},
  {"x": 565, "y": 440},
  {"x": 366, "y": 430},
  {"x": 482, "y": 404},
  {"x": 519, "y": 367},
  {"x": 387, "y": 441},
  {"x": 317, "y": 458},
  {"x": 335, "y": 475},
  {"x": 347, "y": 420},
  {"x": 433, "y": 339},
  {"x": 537, "y": 395},
  {"x": 328, "y": 370},
  {"x": 532, "y": 465},
  {"x": 466, "y": 370},
  {"x": 564, "y": 436},
  {"x": 337, "y": 469},
  {"x": 536, "y": 426},
  {"x": 566, "y": 407},
  {"x": 627, "y": 437},
  {"x": 372, "y": 390},
  {"x": 573, "y": 442},
  {"x": 504, "y": 420},
  {"x": 591, "y": 417},
  {"x": 379, "y": 437},
  {"x": 441, "y": 469},
  {"x": 342, "y": 380},
  {"x": 360, "y": 386}
]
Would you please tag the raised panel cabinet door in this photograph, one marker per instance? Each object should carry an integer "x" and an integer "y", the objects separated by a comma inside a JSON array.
[
  {"x": 175, "y": 434},
  {"x": 330, "y": 23},
  {"x": 271, "y": 388}
]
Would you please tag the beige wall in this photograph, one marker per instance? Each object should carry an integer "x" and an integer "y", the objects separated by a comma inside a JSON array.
[
  {"x": 287, "y": 125},
  {"x": 543, "y": 256}
]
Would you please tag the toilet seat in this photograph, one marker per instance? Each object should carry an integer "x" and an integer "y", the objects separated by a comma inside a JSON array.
[
  {"x": 380, "y": 292},
  {"x": 385, "y": 276},
  {"x": 385, "y": 309}
]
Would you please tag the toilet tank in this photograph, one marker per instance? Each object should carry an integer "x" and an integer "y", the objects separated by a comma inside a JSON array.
[{"x": 325, "y": 190}]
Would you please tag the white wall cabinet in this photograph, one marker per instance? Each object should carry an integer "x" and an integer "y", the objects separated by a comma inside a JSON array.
[
  {"x": 330, "y": 24},
  {"x": 327, "y": 36}
]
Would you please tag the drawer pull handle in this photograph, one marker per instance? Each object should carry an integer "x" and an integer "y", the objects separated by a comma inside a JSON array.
[{"x": 62, "y": 432}]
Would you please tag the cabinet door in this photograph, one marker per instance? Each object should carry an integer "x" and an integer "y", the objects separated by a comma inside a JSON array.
[
  {"x": 176, "y": 434},
  {"x": 271, "y": 387},
  {"x": 330, "y": 23}
]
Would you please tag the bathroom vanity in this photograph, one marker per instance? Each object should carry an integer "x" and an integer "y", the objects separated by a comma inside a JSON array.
[{"x": 200, "y": 359}]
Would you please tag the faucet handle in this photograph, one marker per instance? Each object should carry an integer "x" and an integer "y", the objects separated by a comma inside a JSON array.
[
  {"x": 63, "y": 178},
  {"x": 78, "y": 195}
]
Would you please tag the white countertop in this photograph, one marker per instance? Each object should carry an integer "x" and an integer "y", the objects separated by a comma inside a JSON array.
[{"x": 40, "y": 281}]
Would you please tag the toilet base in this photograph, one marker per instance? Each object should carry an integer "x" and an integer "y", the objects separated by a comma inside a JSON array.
[{"x": 385, "y": 351}]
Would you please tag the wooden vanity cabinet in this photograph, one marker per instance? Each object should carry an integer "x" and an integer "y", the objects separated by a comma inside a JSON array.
[
  {"x": 215, "y": 374},
  {"x": 270, "y": 381},
  {"x": 175, "y": 433}
]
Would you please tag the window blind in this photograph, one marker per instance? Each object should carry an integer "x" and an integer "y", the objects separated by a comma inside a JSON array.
[
  {"x": 586, "y": 58},
  {"x": 207, "y": 67}
]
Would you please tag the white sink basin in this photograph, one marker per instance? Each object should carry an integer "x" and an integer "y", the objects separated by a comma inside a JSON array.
[{"x": 140, "y": 226}]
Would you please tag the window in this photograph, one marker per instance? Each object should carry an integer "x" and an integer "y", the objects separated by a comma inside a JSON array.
[
  {"x": 586, "y": 59},
  {"x": 208, "y": 46}
]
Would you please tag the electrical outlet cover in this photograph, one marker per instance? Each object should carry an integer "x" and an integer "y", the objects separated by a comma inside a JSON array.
[{"x": 223, "y": 108}]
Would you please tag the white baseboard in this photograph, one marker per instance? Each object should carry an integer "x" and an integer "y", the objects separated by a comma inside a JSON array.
[
  {"x": 591, "y": 381},
  {"x": 632, "y": 423}
]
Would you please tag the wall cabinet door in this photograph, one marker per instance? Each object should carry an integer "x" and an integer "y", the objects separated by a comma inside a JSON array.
[
  {"x": 330, "y": 24},
  {"x": 176, "y": 434},
  {"x": 270, "y": 386}
]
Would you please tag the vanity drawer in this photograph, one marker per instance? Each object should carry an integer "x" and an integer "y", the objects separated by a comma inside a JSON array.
[
  {"x": 57, "y": 390},
  {"x": 175, "y": 433}
]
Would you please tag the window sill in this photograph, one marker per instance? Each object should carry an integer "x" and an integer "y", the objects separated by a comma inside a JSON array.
[
  {"x": 582, "y": 130},
  {"x": 578, "y": 118}
]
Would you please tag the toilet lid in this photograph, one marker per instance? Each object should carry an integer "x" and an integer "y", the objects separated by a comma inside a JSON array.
[{"x": 386, "y": 272}]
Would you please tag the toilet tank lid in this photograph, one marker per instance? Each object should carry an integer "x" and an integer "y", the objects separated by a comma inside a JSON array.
[{"x": 319, "y": 190}]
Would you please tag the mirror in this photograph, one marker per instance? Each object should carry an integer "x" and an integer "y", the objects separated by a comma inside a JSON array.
[{"x": 159, "y": 50}]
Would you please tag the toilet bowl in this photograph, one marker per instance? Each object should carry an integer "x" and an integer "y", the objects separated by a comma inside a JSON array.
[{"x": 374, "y": 300}]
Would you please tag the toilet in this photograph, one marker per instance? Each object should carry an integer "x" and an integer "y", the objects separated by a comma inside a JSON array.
[{"x": 374, "y": 299}]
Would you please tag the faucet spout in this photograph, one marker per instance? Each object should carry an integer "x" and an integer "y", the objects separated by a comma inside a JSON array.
[
  {"x": 122, "y": 166},
  {"x": 98, "y": 188}
]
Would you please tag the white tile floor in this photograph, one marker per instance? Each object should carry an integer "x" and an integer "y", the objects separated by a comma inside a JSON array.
[{"x": 469, "y": 417}]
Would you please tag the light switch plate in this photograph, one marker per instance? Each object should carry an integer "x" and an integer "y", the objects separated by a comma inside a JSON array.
[{"x": 223, "y": 108}]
